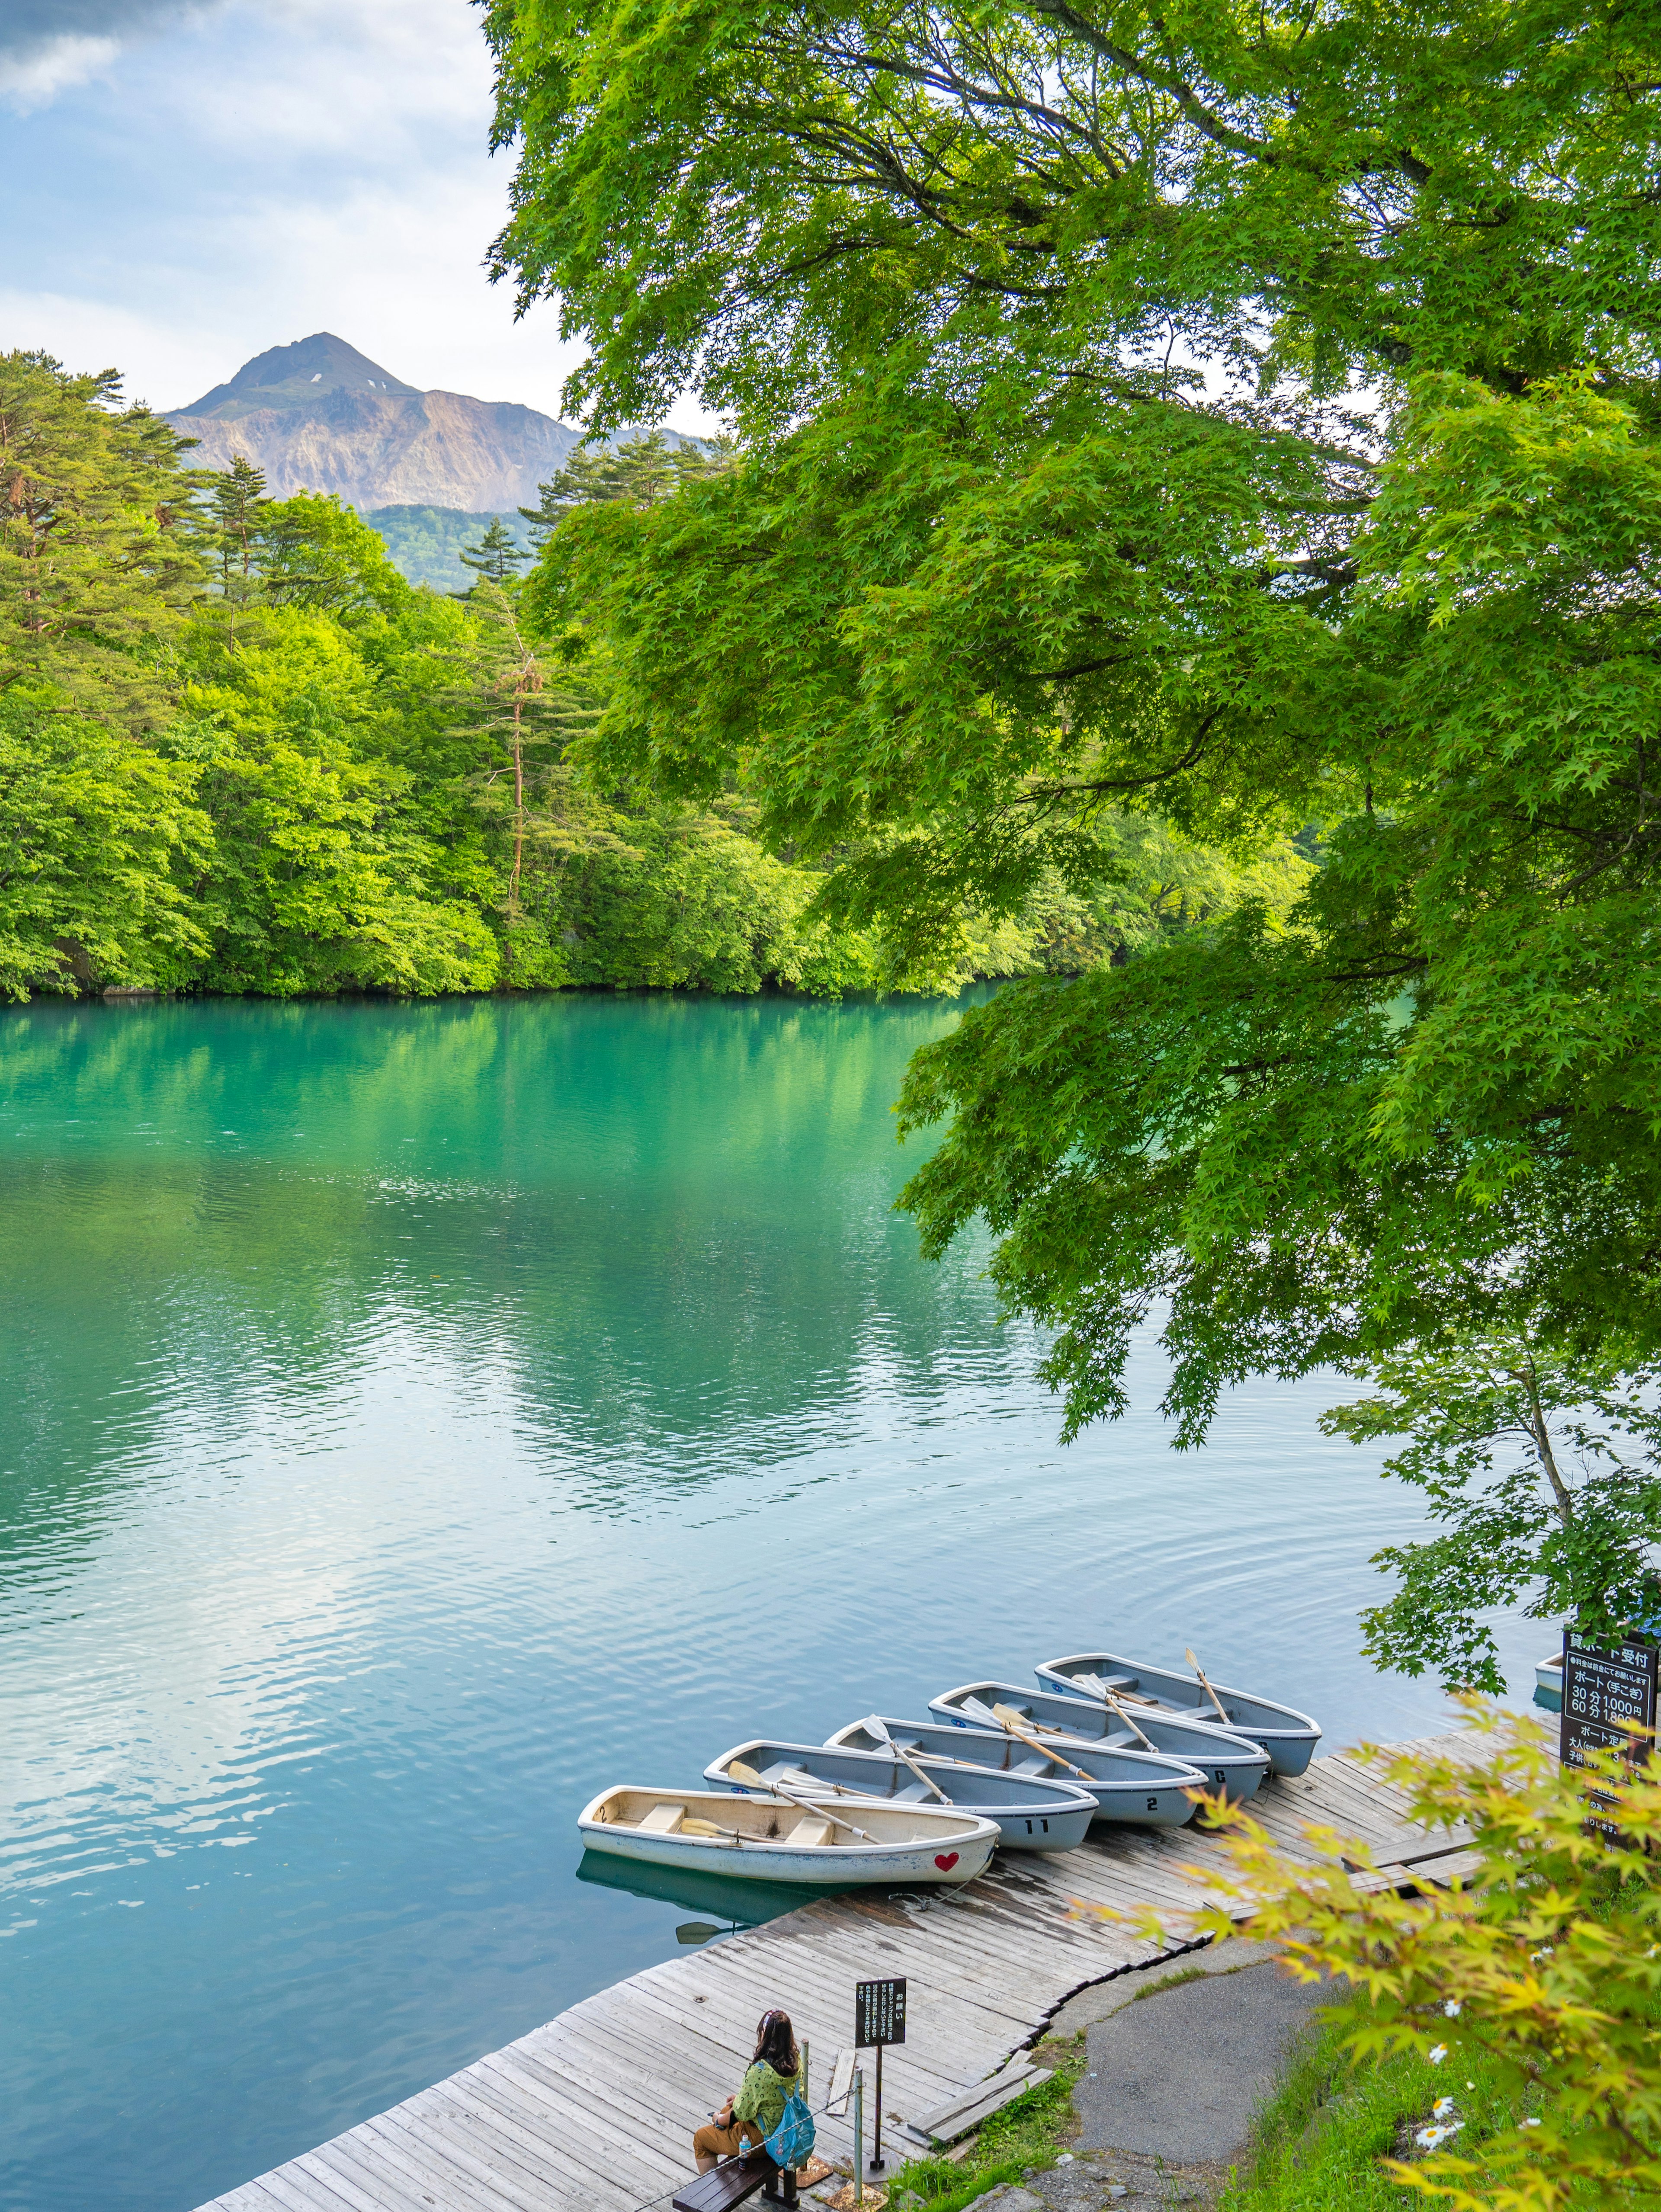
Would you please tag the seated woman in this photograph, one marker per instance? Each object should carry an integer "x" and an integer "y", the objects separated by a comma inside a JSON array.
[{"x": 756, "y": 2109}]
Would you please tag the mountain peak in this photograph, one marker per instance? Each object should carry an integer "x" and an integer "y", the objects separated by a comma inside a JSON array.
[
  {"x": 299, "y": 376},
  {"x": 320, "y": 416}
]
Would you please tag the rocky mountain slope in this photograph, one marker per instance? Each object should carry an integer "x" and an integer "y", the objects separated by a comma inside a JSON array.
[{"x": 318, "y": 416}]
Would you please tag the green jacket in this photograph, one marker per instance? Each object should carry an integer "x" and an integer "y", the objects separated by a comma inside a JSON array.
[{"x": 761, "y": 2097}]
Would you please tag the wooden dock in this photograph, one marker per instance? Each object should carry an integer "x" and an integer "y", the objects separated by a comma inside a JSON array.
[{"x": 595, "y": 2112}]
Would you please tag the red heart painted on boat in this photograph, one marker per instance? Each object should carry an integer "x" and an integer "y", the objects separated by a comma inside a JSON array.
[{"x": 946, "y": 1861}]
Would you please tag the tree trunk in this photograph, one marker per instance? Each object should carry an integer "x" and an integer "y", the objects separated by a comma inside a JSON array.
[
  {"x": 1541, "y": 1432},
  {"x": 519, "y": 806}
]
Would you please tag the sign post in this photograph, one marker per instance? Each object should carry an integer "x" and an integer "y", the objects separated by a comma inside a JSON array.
[
  {"x": 879, "y": 2019},
  {"x": 1606, "y": 1693},
  {"x": 859, "y": 2137}
]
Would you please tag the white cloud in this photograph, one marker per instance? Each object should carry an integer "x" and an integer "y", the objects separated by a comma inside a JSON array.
[
  {"x": 49, "y": 47},
  {"x": 34, "y": 78},
  {"x": 85, "y": 334},
  {"x": 267, "y": 169}
]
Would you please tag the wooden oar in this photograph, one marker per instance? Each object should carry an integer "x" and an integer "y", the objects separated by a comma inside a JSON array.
[
  {"x": 1098, "y": 1688},
  {"x": 983, "y": 1714},
  {"x": 1012, "y": 1724},
  {"x": 879, "y": 1730},
  {"x": 803, "y": 1780},
  {"x": 1222, "y": 1708},
  {"x": 1129, "y": 1720},
  {"x": 1028, "y": 1730},
  {"x": 751, "y": 1780},
  {"x": 692, "y": 1826}
]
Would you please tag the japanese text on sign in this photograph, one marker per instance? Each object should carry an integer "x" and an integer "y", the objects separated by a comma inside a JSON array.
[
  {"x": 1602, "y": 1690},
  {"x": 1604, "y": 1693},
  {"x": 879, "y": 2014}
]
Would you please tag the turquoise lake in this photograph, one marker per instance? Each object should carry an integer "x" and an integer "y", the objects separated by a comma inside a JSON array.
[{"x": 413, "y": 1419}]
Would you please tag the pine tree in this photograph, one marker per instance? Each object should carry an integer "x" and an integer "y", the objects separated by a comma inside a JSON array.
[
  {"x": 97, "y": 564},
  {"x": 497, "y": 556},
  {"x": 643, "y": 470},
  {"x": 519, "y": 712},
  {"x": 239, "y": 501},
  {"x": 238, "y": 504}
]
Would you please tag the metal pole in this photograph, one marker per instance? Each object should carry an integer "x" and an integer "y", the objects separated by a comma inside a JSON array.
[
  {"x": 806, "y": 2087},
  {"x": 876, "y": 2132},
  {"x": 859, "y": 2137}
]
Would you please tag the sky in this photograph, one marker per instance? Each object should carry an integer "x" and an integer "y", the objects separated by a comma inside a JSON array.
[{"x": 187, "y": 182}]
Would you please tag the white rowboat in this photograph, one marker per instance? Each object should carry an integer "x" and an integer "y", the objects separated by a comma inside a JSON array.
[
  {"x": 1231, "y": 1764},
  {"x": 1033, "y": 1813},
  {"x": 1288, "y": 1737},
  {"x": 1117, "y": 1775},
  {"x": 787, "y": 1839}
]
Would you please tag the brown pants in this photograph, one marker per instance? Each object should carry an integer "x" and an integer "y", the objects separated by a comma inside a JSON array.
[{"x": 711, "y": 2142}]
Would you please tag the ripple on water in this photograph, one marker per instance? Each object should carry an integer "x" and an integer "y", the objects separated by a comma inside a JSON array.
[{"x": 423, "y": 1416}]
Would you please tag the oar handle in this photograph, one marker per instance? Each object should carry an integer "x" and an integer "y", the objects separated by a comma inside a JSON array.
[
  {"x": 1130, "y": 1721},
  {"x": 1205, "y": 1685},
  {"x": 927, "y": 1780}
]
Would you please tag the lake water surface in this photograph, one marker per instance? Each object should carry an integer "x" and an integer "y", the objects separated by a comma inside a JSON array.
[{"x": 414, "y": 1418}]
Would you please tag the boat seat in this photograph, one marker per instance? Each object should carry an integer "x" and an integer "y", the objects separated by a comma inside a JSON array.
[
  {"x": 663, "y": 1819},
  {"x": 913, "y": 1793},
  {"x": 813, "y": 1829}
]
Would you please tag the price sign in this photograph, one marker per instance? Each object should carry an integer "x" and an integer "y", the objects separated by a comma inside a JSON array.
[
  {"x": 1605, "y": 1692},
  {"x": 879, "y": 2014}
]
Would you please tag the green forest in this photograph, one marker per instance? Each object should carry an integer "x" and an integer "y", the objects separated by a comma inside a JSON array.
[{"x": 240, "y": 752}]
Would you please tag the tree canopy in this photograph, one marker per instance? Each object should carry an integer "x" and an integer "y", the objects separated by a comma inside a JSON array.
[
  {"x": 1052, "y": 200},
  {"x": 1243, "y": 417}
]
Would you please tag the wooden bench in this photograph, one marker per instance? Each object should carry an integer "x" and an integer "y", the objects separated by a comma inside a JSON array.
[{"x": 735, "y": 2181}]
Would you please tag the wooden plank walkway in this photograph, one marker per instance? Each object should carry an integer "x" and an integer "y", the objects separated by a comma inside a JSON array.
[{"x": 595, "y": 2112}]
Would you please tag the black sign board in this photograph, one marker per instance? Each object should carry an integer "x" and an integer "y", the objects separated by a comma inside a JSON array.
[
  {"x": 1605, "y": 1692},
  {"x": 879, "y": 2014},
  {"x": 879, "y": 2018}
]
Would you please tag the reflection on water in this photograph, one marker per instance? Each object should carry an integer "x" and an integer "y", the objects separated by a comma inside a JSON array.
[
  {"x": 734, "y": 1903},
  {"x": 412, "y": 1418}
]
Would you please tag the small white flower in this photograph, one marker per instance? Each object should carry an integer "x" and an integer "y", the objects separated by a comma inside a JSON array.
[
  {"x": 1441, "y": 2108},
  {"x": 1530, "y": 2124},
  {"x": 1437, "y": 2053},
  {"x": 1453, "y": 2007},
  {"x": 1428, "y": 2138}
]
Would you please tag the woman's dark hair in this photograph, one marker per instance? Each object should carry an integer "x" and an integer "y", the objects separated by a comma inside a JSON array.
[{"x": 775, "y": 2042}]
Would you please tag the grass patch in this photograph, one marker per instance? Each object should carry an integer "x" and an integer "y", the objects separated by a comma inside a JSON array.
[
  {"x": 1024, "y": 2135},
  {"x": 1170, "y": 1982},
  {"x": 1316, "y": 2144}
]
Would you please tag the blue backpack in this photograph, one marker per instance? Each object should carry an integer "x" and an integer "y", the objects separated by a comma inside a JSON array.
[{"x": 791, "y": 2143}]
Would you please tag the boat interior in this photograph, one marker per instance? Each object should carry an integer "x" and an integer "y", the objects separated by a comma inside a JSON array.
[
  {"x": 1091, "y": 1723},
  {"x": 999, "y": 1754},
  {"x": 721, "y": 1818}
]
